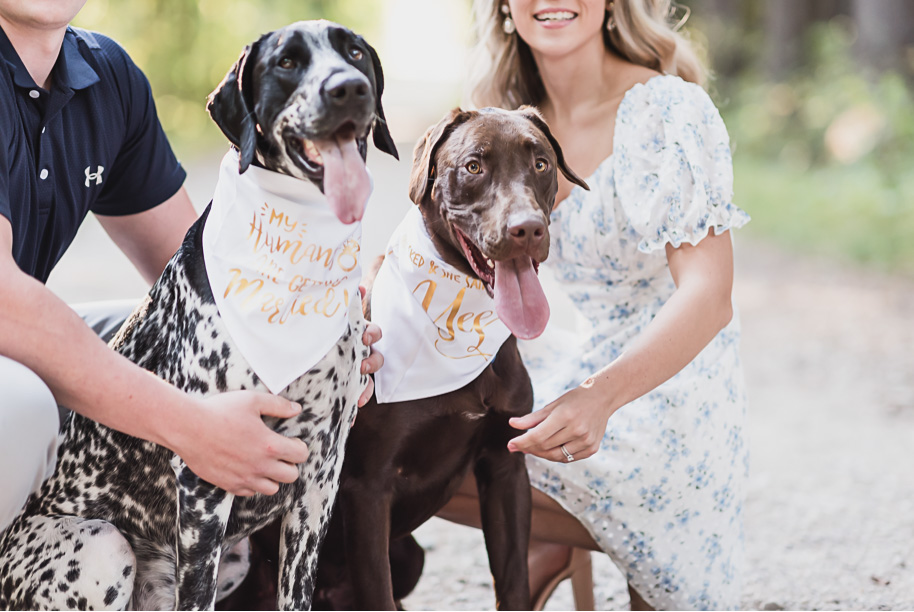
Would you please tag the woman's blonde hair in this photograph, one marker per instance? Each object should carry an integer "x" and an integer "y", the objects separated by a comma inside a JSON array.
[{"x": 504, "y": 73}]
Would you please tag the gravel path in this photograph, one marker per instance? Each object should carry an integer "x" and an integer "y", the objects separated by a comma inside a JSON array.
[
  {"x": 830, "y": 515},
  {"x": 828, "y": 357}
]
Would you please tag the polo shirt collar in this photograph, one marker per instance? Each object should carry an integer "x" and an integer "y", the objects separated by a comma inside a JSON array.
[
  {"x": 21, "y": 76},
  {"x": 72, "y": 68},
  {"x": 70, "y": 71}
]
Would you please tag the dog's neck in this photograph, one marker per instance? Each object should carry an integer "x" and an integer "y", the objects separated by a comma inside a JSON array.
[
  {"x": 439, "y": 232},
  {"x": 310, "y": 189},
  {"x": 279, "y": 262},
  {"x": 441, "y": 328}
]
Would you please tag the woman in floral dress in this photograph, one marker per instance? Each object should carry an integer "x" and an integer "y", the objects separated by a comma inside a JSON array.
[{"x": 637, "y": 444}]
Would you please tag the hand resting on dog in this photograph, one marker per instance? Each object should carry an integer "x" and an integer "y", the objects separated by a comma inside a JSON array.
[{"x": 240, "y": 454}]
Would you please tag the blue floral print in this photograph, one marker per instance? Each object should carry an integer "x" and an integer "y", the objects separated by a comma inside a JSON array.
[{"x": 664, "y": 495}]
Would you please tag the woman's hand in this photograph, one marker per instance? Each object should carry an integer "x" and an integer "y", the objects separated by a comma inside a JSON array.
[
  {"x": 577, "y": 419},
  {"x": 698, "y": 309}
]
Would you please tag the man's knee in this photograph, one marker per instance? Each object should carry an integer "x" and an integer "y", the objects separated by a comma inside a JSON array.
[
  {"x": 105, "y": 318},
  {"x": 28, "y": 436}
]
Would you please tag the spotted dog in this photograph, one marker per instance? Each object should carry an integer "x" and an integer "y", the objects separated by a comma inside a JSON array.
[{"x": 124, "y": 522}]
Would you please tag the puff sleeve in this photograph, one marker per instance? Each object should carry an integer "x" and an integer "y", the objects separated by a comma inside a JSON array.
[{"x": 673, "y": 170}]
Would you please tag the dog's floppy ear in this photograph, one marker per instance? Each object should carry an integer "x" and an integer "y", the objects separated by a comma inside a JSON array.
[
  {"x": 423, "y": 172},
  {"x": 231, "y": 105},
  {"x": 379, "y": 132},
  {"x": 536, "y": 118}
]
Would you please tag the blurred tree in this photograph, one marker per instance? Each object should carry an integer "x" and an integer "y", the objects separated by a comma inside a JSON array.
[
  {"x": 786, "y": 21},
  {"x": 886, "y": 28},
  {"x": 822, "y": 148},
  {"x": 722, "y": 25},
  {"x": 885, "y": 33}
]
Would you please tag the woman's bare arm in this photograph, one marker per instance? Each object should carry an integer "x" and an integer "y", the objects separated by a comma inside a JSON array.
[{"x": 698, "y": 309}]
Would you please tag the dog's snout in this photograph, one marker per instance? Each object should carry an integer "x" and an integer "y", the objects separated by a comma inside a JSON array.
[
  {"x": 341, "y": 89},
  {"x": 526, "y": 231}
]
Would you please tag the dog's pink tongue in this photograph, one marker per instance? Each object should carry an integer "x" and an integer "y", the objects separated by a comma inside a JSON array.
[
  {"x": 346, "y": 182},
  {"x": 519, "y": 299}
]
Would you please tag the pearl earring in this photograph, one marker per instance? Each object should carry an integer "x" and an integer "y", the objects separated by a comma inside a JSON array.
[
  {"x": 611, "y": 21},
  {"x": 508, "y": 25}
]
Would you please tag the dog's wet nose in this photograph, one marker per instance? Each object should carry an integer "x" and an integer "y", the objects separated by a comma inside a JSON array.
[
  {"x": 341, "y": 89},
  {"x": 526, "y": 231}
]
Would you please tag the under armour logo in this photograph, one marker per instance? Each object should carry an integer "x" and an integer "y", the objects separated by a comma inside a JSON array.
[{"x": 94, "y": 176}]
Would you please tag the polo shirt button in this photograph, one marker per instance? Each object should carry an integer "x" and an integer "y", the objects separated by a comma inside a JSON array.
[
  {"x": 34, "y": 93},
  {"x": 42, "y": 130},
  {"x": 44, "y": 174}
]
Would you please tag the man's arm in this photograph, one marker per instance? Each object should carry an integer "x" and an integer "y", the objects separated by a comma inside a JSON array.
[
  {"x": 239, "y": 453},
  {"x": 151, "y": 237}
]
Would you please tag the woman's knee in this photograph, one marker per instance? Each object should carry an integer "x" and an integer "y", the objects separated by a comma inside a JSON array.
[{"x": 28, "y": 436}]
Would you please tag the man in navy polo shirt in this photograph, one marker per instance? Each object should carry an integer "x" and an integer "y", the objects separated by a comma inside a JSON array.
[{"x": 79, "y": 133}]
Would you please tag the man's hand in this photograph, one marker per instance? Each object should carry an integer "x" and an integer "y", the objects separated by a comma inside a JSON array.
[
  {"x": 371, "y": 335},
  {"x": 372, "y": 363},
  {"x": 226, "y": 443}
]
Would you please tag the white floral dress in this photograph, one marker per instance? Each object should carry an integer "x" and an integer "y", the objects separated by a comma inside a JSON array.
[{"x": 664, "y": 495}]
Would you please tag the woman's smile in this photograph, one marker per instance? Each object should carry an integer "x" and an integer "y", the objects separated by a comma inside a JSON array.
[
  {"x": 555, "y": 17},
  {"x": 558, "y": 27}
]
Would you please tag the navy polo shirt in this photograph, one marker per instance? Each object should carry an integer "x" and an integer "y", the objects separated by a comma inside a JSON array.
[{"x": 93, "y": 142}]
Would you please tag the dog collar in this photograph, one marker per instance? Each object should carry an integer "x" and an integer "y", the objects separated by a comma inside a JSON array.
[
  {"x": 284, "y": 271},
  {"x": 440, "y": 326}
]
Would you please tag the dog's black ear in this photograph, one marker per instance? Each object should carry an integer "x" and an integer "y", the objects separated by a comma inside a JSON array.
[
  {"x": 536, "y": 118},
  {"x": 379, "y": 132},
  {"x": 231, "y": 105},
  {"x": 422, "y": 176}
]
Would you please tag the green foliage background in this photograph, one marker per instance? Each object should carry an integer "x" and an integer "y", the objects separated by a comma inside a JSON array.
[
  {"x": 185, "y": 47},
  {"x": 857, "y": 206},
  {"x": 852, "y": 202}
]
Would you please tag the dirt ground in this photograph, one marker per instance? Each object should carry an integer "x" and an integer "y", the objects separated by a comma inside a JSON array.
[{"x": 827, "y": 350}]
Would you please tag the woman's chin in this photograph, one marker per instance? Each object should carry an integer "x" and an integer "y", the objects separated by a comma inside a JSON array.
[
  {"x": 556, "y": 45},
  {"x": 554, "y": 39}
]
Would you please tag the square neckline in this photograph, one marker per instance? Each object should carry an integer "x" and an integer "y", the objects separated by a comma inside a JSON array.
[{"x": 608, "y": 158}]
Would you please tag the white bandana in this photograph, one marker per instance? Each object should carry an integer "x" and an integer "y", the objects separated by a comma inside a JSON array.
[
  {"x": 440, "y": 327},
  {"x": 282, "y": 268}
]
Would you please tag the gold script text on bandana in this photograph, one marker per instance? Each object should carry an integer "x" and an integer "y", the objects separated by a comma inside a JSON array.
[
  {"x": 455, "y": 317},
  {"x": 283, "y": 269},
  {"x": 440, "y": 326},
  {"x": 282, "y": 243}
]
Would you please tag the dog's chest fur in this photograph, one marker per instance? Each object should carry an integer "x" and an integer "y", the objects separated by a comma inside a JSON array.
[{"x": 102, "y": 474}]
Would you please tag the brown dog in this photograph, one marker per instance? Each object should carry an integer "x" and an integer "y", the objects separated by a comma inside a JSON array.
[{"x": 485, "y": 183}]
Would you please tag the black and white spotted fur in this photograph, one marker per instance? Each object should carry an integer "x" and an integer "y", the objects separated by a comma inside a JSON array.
[{"x": 124, "y": 522}]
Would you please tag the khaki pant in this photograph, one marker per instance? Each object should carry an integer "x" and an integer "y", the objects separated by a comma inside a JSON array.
[{"x": 30, "y": 418}]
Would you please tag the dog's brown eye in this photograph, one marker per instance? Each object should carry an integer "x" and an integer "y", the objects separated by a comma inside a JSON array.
[
  {"x": 355, "y": 53},
  {"x": 287, "y": 63},
  {"x": 541, "y": 165},
  {"x": 473, "y": 168}
]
